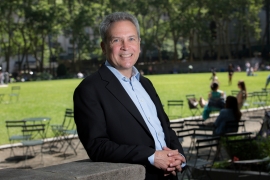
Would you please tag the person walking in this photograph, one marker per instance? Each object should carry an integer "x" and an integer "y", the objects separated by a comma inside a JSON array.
[{"x": 230, "y": 73}]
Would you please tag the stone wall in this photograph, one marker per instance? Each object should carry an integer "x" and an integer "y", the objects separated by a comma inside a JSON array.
[{"x": 78, "y": 170}]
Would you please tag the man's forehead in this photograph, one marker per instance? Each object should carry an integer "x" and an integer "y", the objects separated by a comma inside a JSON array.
[
  {"x": 122, "y": 24},
  {"x": 122, "y": 35}
]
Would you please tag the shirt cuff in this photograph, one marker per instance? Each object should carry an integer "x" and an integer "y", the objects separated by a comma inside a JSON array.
[
  {"x": 151, "y": 159},
  {"x": 183, "y": 164}
]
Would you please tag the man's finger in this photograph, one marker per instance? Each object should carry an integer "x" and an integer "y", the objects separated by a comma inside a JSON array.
[
  {"x": 178, "y": 157},
  {"x": 168, "y": 173},
  {"x": 178, "y": 168},
  {"x": 171, "y": 152},
  {"x": 169, "y": 169},
  {"x": 173, "y": 173}
]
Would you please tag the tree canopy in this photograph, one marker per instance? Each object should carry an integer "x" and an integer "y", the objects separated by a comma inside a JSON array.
[{"x": 170, "y": 29}]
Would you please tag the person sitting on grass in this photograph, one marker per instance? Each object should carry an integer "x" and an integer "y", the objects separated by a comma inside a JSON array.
[
  {"x": 228, "y": 118},
  {"x": 215, "y": 101},
  {"x": 242, "y": 95}
]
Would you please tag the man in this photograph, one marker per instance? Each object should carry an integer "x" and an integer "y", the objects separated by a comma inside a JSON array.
[{"x": 118, "y": 113}]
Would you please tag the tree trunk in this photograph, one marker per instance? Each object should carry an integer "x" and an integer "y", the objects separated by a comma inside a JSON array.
[
  {"x": 191, "y": 38},
  {"x": 249, "y": 45},
  {"x": 219, "y": 38},
  {"x": 227, "y": 45},
  {"x": 175, "y": 54},
  {"x": 74, "y": 68},
  {"x": 144, "y": 50},
  {"x": 7, "y": 61},
  {"x": 50, "y": 50},
  {"x": 199, "y": 48},
  {"x": 42, "y": 54},
  {"x": 27, "y": 62},
  {"x": 159, "y": 54}
]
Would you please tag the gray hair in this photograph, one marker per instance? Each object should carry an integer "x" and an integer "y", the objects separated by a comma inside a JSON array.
[{"x": 114, "y": 17}]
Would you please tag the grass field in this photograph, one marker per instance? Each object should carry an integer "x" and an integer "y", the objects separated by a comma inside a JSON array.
[{"x": 50, "y": 98}]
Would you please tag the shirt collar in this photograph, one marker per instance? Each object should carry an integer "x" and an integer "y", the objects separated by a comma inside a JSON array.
[{"x": 135, "y": 72}]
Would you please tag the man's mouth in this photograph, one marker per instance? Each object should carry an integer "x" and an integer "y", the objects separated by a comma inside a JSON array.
[{"x": 126, "y": 55}]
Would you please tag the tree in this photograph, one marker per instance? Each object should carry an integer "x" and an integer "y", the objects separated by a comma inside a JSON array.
[
  {"x": 43, "y": 19},
  {"x": 82, "y": 16},
  {"x": 7, "y": 28}
]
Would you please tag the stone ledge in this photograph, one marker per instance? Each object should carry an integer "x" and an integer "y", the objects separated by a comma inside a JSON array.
[{"x": 79, "y": 170}]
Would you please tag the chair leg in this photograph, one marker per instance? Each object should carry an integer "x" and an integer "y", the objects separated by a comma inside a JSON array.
[
  {"x": 69, "y": 144},
  {"x": 185, "y": 173},
  {"x": 26, "y": 156},
  {"x": 56, "y": 140},
  {"x": 62, "y": 142},
  {"x": 11, "y": 150},
  {"x": 41, "y": 155},
  {"x": 189, "y": 173}
]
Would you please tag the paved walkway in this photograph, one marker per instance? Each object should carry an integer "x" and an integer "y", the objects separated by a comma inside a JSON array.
[
  {"x": 51, "y": 156},
  {"x": 55, "y": 155}
]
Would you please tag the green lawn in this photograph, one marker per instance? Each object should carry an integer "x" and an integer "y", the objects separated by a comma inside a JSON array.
[{"x": 50, "y": 98}]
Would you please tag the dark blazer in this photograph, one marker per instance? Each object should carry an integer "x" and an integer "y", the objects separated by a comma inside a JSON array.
[{"x": 111, "y": 127}]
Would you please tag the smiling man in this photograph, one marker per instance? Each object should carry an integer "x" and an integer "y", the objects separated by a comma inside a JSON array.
[{"x": 117, "y": 111}]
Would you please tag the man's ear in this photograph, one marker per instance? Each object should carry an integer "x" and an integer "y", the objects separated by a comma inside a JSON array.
[{"x": 102, "y": 45}]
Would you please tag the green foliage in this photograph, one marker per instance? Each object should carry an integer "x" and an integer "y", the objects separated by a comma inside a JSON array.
[
  {"x": 258, "y": 148},
  {"x": 221, "y": 165},
  {"x": 239, "y": 150},
  {"x": 43, "y": 76},
  {"x": 32, "y": 27},
  {"x": 264, "y": 146}
]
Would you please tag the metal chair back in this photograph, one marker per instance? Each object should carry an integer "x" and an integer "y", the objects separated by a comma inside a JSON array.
[
  {"x": 15, "y": 92},
  {"x": 175, "y": 103}
]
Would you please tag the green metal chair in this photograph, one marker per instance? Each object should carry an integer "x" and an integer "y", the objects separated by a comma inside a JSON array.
[
  {"x": 175, "y": 103},
  {"x": 13, "y": 127},
  {"x": 58, "y": 129},
  {"x": 38, "y": 132},
  {"x": 15, "y": 92}
]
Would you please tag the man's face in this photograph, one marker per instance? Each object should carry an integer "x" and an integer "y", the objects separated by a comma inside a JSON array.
[{"x": 122, "y": 46}]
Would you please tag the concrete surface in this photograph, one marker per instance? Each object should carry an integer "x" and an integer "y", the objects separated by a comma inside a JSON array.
[{"x": 78, "y": 170}]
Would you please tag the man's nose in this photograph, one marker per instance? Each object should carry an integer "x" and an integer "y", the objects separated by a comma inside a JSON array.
[{"x": 125, "y": 45}]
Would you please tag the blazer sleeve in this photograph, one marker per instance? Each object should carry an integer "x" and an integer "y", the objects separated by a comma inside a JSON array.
[{"x": 90, "y": 118}]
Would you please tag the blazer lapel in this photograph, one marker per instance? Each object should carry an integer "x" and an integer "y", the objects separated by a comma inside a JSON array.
[{"x": 115, "y": 87}]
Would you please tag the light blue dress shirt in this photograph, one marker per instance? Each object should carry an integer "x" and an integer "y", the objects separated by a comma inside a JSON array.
[{"x": 144, "y": 104}]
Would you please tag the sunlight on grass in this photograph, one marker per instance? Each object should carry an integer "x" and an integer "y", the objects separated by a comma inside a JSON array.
[{"x": 51, "y": 98}]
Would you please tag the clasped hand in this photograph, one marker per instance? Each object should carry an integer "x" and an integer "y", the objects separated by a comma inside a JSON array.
[{"x": 169, "y": 161}]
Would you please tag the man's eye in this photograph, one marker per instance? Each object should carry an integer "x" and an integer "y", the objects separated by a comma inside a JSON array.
[
  {"x": 115, "y": 40},
  {"x": 132, "y": 39}
]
